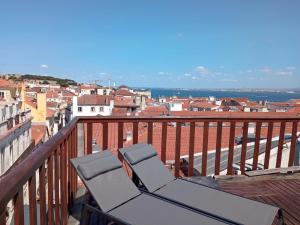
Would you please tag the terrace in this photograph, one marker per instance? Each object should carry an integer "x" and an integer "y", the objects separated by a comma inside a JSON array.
[{"x": 42, "y": 189}]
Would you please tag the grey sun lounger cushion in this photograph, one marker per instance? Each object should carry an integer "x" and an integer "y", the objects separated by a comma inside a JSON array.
[
  {"x": 117, "y": 196},
  {"x": 137, "y": 155},
  {"x": 159, "y": 180},
  {"x": 149, "y": 170},
  {"x": 87, "y": 158},
  {"x": 94, "y": 167}
]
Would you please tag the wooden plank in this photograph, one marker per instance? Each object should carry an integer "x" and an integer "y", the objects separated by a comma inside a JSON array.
[
  {"x": 120, "y": 138},
  {"x": 205, "y": 148},
  {"x": 105, "y": 135},
  {"x": 32, "y": 200},
  {"x": 150, "y": 133},
  {"x": 56, "y": 184},
  {"x": 268, "y": 145},
  {"x": 177, "y": 148},
  {"x": 42, "y": 192},
  {"x": 89, "y": 144},
  {"x": 218, "y": 148},
  {"x": 231, "y": 148},
  {"x": 280, "y": 144},
  {"x": 244, "y": 147},
  {"x": 164, "y": 134},
  {"x": 19, "y": 208},
  {"x": 256, "y": 145},
  {"x": 50, "y": 190},
  {"x": 293, "y": 144},
  {"x": 135, "y": 132},
  {"x": 191, "y": 149}
]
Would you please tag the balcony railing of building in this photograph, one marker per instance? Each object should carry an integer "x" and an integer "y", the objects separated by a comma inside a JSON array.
[{"x": 52, "y": 182}]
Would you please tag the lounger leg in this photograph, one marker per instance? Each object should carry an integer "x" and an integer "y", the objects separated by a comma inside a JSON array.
[
  {"x": 281, "y": 219},
  {"x": 85, "y": 215}
]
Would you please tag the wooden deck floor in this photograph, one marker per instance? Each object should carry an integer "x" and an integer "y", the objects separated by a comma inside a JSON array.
[{"x": 281, "y": 190}]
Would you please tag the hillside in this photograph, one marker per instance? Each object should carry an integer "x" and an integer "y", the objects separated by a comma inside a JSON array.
[{"x": 45, "y": 79}]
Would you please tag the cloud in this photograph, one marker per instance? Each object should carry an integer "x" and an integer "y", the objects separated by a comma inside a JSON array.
[
  {"x": 194, "y": 78},
  {"x": 287, "y": 71},
  {"x": 229, "y": 80},
  {"x": 290, "y": 68},
  {"x": 44, "y": 66},
  {"x": 163, "y": 73},
  {"x": 203, "y": 71},
  {"x": 187, "y": 74}
]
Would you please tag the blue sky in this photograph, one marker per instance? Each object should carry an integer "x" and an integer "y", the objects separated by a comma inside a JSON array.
[{"x": 166, "y": 43}]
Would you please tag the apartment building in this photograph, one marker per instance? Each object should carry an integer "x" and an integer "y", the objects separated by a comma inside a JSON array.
[{"x": 15, "y": 134}]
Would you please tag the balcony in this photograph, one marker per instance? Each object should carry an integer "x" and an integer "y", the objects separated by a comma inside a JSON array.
[{"x": 47, "y": 185}]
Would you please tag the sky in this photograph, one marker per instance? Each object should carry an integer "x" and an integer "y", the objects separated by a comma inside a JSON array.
[{"x": 157, "y": 43}]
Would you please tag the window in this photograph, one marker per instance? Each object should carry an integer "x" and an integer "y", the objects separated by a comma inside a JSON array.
[
  {"x": 92, "y": 109},
  {"x": 79, "y": 109},
  {"x": 101, "y": 109},
  {"x": 2, "y": 94}
]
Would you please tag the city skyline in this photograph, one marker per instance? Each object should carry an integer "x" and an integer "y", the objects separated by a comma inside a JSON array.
[{"x": 171, "y": 44}]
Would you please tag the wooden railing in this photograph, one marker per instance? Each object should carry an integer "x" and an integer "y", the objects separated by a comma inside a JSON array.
[{"x": 52, "y": 183}]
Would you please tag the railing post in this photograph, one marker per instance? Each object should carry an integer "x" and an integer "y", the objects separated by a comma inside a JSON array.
[
  {"x": 42, "y": 194},
  {"x": 268, "y": 145},
  {"x": 164, "y": 131},
  {"x": 135, "y": 132},
  {"x": 191, "y": 149},
  {"x": 177, "y": 148},
  {"x": 256, "y": 145},
  {"x": 150, "y": 133},
  {"x": 89, "y": 140},
  {"x": 204, "y": 148},
  {"x": 19, "y": 208},
  {"x": 120, "y": 138},
  {"x": 280, "y": 144},
  {"x": 50, "y": 190},
  {"x": 293, "y": 144},
  {"x": 105, "y": 135},
  {"x": 32, "y": 200},
  {"x": 231, "y": 148},
  {"x": 244, "y": 147},
  {"x": 218, "y": 148}
]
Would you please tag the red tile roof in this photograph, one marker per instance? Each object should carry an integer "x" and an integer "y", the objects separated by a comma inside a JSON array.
[
  {"x": 123, "y": 92},
  {"x": 94, "y": 100},
  {"x": 50, "y": 113},
  {"x": 38, "y": 133}
]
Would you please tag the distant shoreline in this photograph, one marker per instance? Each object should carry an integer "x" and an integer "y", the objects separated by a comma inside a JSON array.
[{"x": 272, "y": 96}]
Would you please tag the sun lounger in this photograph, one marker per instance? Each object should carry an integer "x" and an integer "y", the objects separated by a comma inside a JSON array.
[
  {"x": 120, "y": 201},
  {"x": 157, "y": 179}
]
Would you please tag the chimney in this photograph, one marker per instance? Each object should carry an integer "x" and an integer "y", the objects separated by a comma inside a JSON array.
[{"x": 42, "y": 104}]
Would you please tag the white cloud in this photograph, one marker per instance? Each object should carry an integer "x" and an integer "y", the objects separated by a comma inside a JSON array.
[
  {"x": 44, "y": 66},
  {"x": 187, "y": 74},
  {"x": 163, "y": 73},
  {"x": 194, "y": 78},
  {"x": 265, "y": 70},
  {"x": 290, "y": 68},
  {"x": 229, "y": 80},
  {"x": 287, "y": 71},
  {"x": 249, "y": 71}
]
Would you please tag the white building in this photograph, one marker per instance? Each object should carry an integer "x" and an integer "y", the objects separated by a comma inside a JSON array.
[
  {"x": 175, "y": 106},
  {"x": 92, "y": 105},
  {"x": 15, "y": 134}
]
